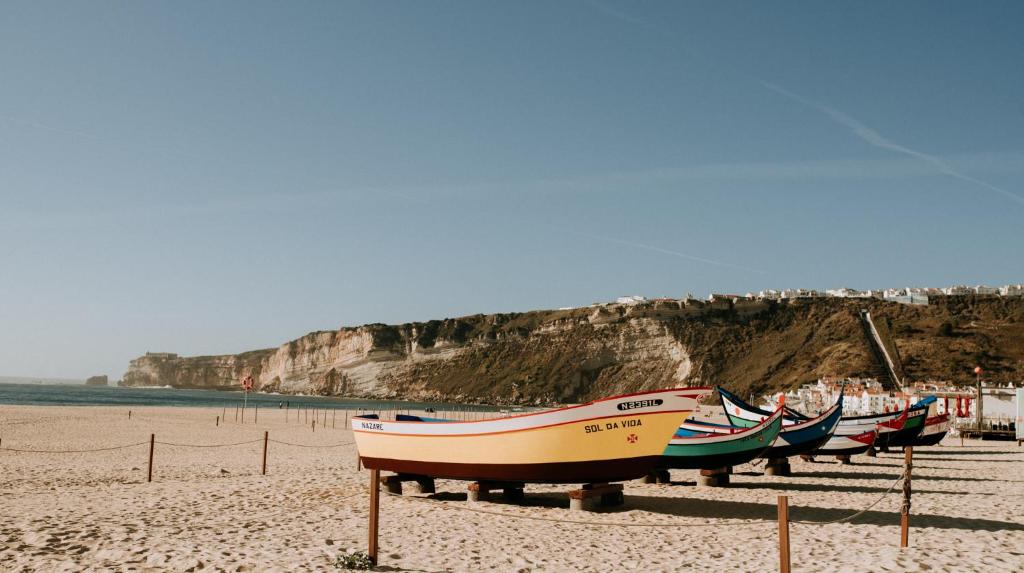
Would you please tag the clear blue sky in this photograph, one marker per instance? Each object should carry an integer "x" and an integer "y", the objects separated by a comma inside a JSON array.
[{"x": 211, "y": 177}]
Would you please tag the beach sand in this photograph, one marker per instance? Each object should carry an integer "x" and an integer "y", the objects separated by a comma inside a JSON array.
[{"x": 209, "y": 509}]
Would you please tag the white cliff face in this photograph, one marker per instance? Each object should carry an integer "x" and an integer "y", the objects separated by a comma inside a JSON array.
[{"x": 614, "y": 355}]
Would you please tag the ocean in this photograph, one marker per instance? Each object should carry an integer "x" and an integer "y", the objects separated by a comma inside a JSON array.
[{"x": 81, "y": 395}]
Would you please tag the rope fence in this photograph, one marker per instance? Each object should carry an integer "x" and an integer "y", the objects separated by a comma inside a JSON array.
[
  {"x": 153, "y": 442},
  {"x": 88, "y": 451}
]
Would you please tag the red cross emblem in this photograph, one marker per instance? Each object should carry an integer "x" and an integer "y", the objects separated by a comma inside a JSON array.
[{"x": 632, "y": 438}]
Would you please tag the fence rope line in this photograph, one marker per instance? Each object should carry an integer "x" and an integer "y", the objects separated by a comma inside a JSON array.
[
  {"x": 571, "y": 521},
  {"x": 208, "y": 445},
  {"x": 901, "y": 477},
  {"x": 73, "y": 451},
  {"x": 273, "y": 441}
]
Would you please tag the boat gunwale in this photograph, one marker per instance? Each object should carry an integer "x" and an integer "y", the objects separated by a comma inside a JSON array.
[
  {"x": 562, "y": 409},
  {"x": 723, "y": 437},
  {"x": 497, "y": 432}
]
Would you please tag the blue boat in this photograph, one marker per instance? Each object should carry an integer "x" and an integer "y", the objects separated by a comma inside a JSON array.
[{"x": 798, "y": 436}]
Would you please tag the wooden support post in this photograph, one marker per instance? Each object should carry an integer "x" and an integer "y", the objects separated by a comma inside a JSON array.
[
  {"x": 129, "y": 414},
  {"x": 266, "y": 438},
  {"x": 777, "y": 467},
  {"x": 908, "y": 458},
  {"x": 783, "y": 534},
  {"x": 374, "y": 514},
  {"x": 152, "y": 442},
  {"x": 218, "y": 422}
]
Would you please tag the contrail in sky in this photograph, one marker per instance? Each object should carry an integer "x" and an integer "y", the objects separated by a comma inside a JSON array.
[
  {"x": 663, "y": 251},
  {"x": 878, "y": 140}
]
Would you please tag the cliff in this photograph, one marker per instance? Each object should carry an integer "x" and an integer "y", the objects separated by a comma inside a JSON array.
[{"x": 545, "y": 357}]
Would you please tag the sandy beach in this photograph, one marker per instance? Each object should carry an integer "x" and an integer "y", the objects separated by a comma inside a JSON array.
[{"x": 209, "y": 509}]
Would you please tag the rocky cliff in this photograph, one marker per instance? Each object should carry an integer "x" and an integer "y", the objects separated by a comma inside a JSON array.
[{"x": 546, "y": 357}]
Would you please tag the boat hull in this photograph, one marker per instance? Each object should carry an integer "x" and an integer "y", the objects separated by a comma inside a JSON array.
[
  {"x": 906, "y": 435},
  {"x": 847, "y": 445},
  {"x": 935, "y": 429},
  {"x": 709, "y": 451},
  {"x": 594, "y": 471},
  {"x": 614, "y": 439}
]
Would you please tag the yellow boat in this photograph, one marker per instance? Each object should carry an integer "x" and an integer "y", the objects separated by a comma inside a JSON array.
[{"x": 612, "y": 439}]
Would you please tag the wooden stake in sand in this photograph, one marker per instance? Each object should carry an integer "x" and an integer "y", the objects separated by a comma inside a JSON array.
[
  {"x": 334, "y": 420},
  {"x": 908, "y": 457},
  {"x": 266, "y": 438},
  {"x": 129, "y": 414},
  {"x": 218, "y": 422},
  {"x": 152, "y": 442},
  {"x": 784, "y": 534},
  {"x": 256, "y": 419},
  {"x": 374, "y": 513}
]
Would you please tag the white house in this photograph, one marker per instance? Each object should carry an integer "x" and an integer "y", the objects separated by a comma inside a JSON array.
[
  {"x": 1012, "y": 290},
  {"x": 847, "y": 293},
  {"x": 982, "y": 289},
  {"x": 957, "y": 289},
  {"x": 631, "y": 300}
]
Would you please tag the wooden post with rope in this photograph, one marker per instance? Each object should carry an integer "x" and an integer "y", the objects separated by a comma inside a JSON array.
[
  {"x": 908, "y": 457},
  {"x": 266, "y": 438},
  {"x": 784, "y": 534},
  {"x": 374, "y": 514},
  {"x": 152, "y": 442}
]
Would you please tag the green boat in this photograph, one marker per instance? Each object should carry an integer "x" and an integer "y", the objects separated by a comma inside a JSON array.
[{"x": 698, "y": 445}]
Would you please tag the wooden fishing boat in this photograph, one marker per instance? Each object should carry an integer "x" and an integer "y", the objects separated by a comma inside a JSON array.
[
  {"x": 693, "y": 447},
  {"x": 796, "y": 436},
  {"x": 847, "y": 445},
  {"x": 895, "y": 429},
  {"x": 612, "y": 439},
  {"x": 935, "y": 428}
]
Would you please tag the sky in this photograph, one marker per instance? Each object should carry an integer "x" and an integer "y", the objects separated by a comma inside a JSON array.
[{"x": 208, "y": 178}]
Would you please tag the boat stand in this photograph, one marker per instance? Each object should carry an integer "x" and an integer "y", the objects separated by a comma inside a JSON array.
[
  {"x": 871, "y": 452},
  {"x": 587, "y": 497},
  {"x": 807, "y": 458},
  {"x": 777, "y": 467},
  {"x": 843, "y": 460},
  {"x": 716, "y": 477},
  {"x": 393, "y": 483},
  {"x": 657, "y": 476},
  {"x": 481, "y": 490}
]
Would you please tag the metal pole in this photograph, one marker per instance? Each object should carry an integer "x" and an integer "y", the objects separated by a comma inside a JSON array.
[
  {"x": 374, "y": 514},
  {"x": 784, "y": 534},
  {"x": 266, "y": 438},
  {"x": 152, "y": 442},
  {"x": 979, "y": 410},
  {"x": 908, "y": 457}
]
